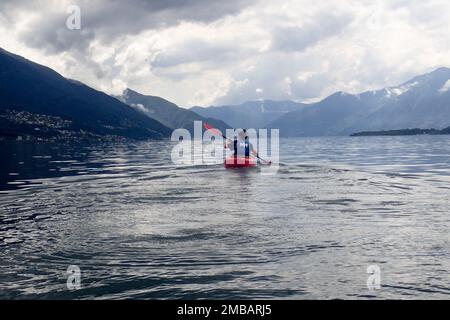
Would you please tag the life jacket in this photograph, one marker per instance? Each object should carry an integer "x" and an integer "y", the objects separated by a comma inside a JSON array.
[{"x": 247, "y": 147}]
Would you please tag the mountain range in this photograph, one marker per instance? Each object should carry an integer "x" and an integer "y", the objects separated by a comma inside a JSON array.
[
  {"x": 251, "y": 114},
  {"x": 423, "y": 102},
  {"x": 167, "y": 112},
  {"x": 38, "y": 102}
]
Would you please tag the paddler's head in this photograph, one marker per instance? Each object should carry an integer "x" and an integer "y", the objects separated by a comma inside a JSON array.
[{"x": 242, "y": 134}]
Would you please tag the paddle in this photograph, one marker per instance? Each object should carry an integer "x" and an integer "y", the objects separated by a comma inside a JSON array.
[
  {"x": 217, "y": 132},
  {"x": 214, "y": 130}
]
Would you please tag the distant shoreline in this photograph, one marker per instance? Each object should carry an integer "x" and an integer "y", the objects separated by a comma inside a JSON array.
[{"x": 402, "y": 132}]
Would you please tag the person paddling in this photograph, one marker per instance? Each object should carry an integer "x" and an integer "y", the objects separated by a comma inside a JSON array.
[
  {"x": 241, "y": 145},
  {"x": 237, "y": 146}
]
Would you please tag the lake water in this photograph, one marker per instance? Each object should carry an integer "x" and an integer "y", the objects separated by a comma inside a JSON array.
[{"x": 140, "y": 227}]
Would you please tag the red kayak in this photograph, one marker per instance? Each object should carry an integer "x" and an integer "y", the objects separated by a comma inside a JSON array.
[{"x": 240, "y": 162}]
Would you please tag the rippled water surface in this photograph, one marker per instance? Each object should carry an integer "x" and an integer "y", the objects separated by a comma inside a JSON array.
[{"x": 140, "y": 227}]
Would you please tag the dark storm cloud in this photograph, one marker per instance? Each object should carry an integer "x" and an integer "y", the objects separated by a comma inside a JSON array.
[
  {"x": 106, "y": 20},
  {"x": 298, "y": 38},
  {"x": 196, "y": 50},
  {"x": 54, "y": 37},
  {"x": 201, "y": 52},
  {"x": 114, "y": 18}
]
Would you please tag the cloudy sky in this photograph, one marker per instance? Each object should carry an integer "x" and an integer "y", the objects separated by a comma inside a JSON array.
[{"x": 202, "y": 52}]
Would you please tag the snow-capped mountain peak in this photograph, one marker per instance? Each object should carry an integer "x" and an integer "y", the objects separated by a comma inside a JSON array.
[{"x": 398, "y": 91}]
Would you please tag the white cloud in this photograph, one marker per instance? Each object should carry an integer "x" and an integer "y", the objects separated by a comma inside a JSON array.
[
  {"x": 195, "y": 54},
  {"x": 140, "y": 107},
  {"x": 445, "y": 87}
]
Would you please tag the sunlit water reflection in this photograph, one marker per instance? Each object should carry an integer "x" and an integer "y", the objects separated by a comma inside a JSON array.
[{"x": 140, "y": 227}]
